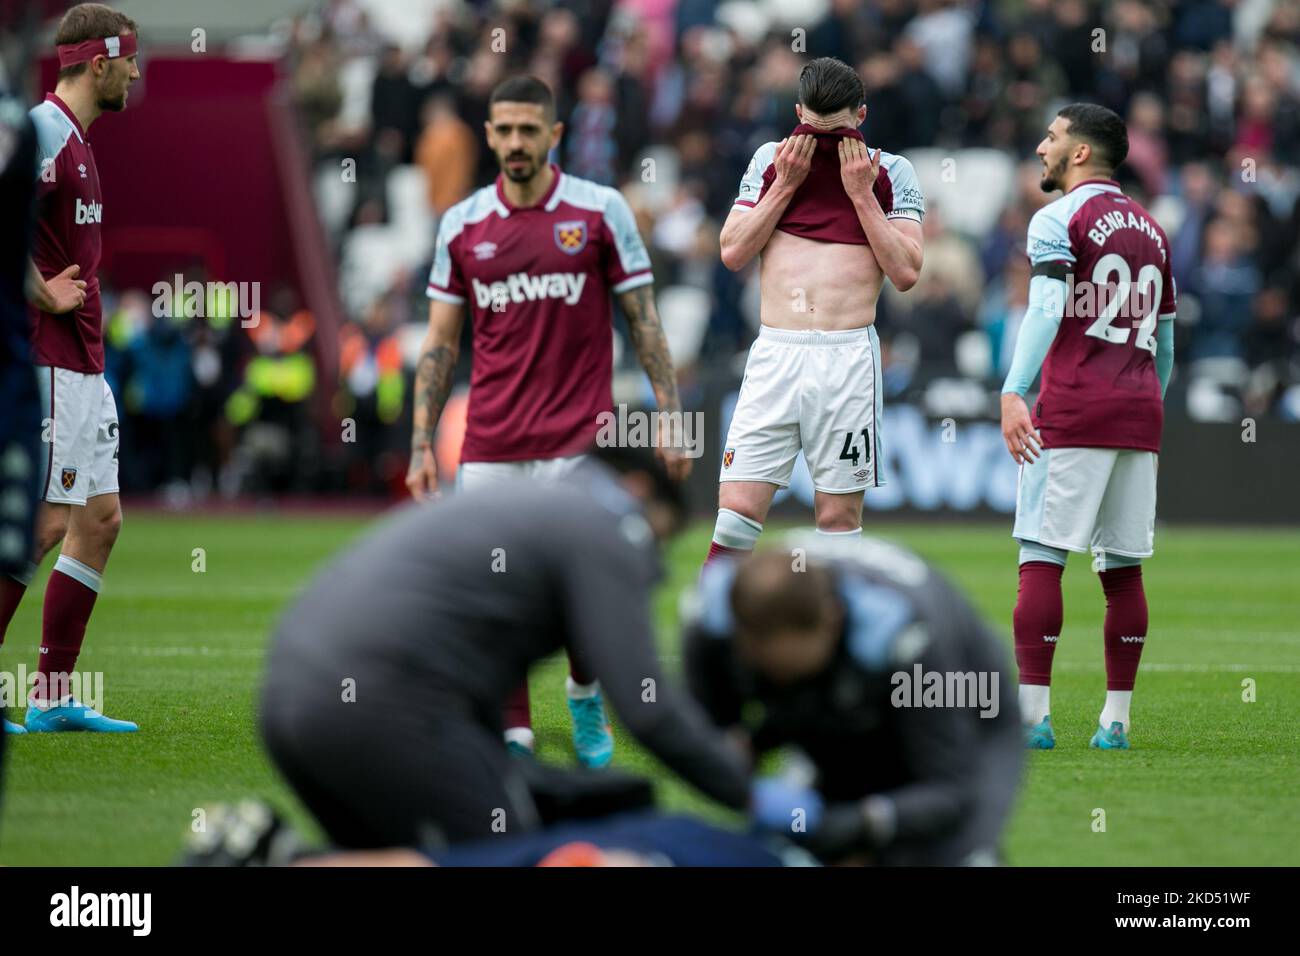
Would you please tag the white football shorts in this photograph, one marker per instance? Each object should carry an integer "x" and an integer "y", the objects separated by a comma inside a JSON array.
[
  {"x": 814, "y": 391},
  {"x": 478, "y": 474},
  {"x": 1089, "y": 500},
  {"x": 80, "y": 438}
]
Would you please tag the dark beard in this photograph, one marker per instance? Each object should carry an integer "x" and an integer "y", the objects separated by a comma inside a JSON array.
[
  {"x": 107, "y": 105},
  {"x": 1051, "y": 180},
  {"x": 523, "y": 176}
]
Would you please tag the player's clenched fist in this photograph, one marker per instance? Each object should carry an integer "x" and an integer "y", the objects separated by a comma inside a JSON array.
[
  {"x": 1018, "y": 432},
  {"x": 672, "y": 457},
  {"x": 675, "y": 463},
  {"x": 858, "y": 168},
  {"x": 793, "y": 160},
  {"x": 67, "y": 292},
  {"x": 422, "y": 476}
]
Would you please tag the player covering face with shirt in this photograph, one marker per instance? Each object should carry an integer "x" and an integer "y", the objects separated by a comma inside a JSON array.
[{"x": 832, "y": 219}]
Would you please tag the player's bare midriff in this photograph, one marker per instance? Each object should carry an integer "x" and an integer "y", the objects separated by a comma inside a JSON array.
[{"x": 806, "y": 284}]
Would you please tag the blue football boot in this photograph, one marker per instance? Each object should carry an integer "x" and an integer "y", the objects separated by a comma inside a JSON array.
[
  {"x": 1040, "y": 736},
  {"x": 1113, "y": 739},
  {"x": 592, "y": 737},
  {"x": 72, "y": 715}
]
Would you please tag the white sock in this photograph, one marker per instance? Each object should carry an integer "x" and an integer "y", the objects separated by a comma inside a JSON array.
[
  {"x": 82, "y": 573},
  {"x": 733, "y": 530},
  {"x": 841, "y": 542},
  {"x": 41, "y": 703},
  {"x": 1117, "y": 705},
  {"x": 519, "y": 735},
  {"x": 578, "y": 691},
  {"x": 1035, "y": 702}
]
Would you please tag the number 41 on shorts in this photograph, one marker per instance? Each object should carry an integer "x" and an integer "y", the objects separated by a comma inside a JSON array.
[{"x": 850, "y": 450}]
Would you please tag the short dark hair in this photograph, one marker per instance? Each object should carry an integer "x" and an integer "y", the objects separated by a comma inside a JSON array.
[
  {"x": 828, "y": 85},
  {"x": 89, "y": 21},
  {"x": 524, "y": 89},
  {"x": 1100, "y": 128}
]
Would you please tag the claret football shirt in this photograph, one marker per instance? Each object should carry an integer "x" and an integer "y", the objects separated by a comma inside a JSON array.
[
  {"x": 1100, "y": 388},
  {"x": 820, "y": 208},
  {"x": 71, "y": 208},
  {"x": 538, "y": 282}
]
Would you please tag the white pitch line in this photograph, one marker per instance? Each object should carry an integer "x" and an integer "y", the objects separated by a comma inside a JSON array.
[
  {"x": 1162, "y": 668},
  {"x": 1152, "y": 667},
  {"x": 188, "y": 651},
  {"x": 1233, "y": 637},
  {"x": 199, "y": 650},
  {"x": 1241, "y": 607},
  {"x": 199, "y": 589}
]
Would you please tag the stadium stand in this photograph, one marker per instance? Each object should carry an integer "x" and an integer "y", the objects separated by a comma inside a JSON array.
[{"x": 668, "y": 102}]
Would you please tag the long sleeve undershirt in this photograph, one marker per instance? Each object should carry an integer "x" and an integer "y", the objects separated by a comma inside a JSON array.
[{"x": 1043, "y": 320}]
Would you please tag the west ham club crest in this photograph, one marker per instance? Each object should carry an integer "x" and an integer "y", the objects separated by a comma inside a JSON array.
[{"x": 571, "y": 236}]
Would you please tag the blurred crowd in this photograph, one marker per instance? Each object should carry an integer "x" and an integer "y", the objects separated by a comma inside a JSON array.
[
  {"x": 668, "y": 99},
  {"x": 688, "y": 90},
  {"x": 214, "y": 402}
]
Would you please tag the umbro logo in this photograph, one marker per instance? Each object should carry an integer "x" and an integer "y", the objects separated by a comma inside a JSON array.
[
  {"x": 81, "y": 168},
  {"x": 485, "y": 250}
]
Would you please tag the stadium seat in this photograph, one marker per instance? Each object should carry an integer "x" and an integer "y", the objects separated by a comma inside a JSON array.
[
  {"x": 974, "y": 194},
  {"x": 685, "y": 313},
  {"x": 974, "y": 355},
  {"x": 655, "y": 193},
  {"x": 334, "y": 198},
  {"x": 372, "y": 257},
  {"x": 409, "y": 212}
]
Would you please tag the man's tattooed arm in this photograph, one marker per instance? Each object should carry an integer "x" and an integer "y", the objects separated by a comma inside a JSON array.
[
  {"x": 652, "y": 349},
  {"x": 433, "y": 377},
  {"x": 651, "y": 345},
  {"x": 435, "y": 371}
]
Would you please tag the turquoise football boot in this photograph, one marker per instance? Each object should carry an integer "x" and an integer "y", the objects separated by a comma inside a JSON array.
[
  {"x": 72, "y": 715},
  {"x": 592, "y": 737},
  {"x": 1040, "y": 736},
  {"x": 1113, "y": 739},
  {"x": 12, "y": 728}
]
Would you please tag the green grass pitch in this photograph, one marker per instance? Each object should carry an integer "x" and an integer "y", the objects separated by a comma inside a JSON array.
[{"x": 1212, "y": 779}]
